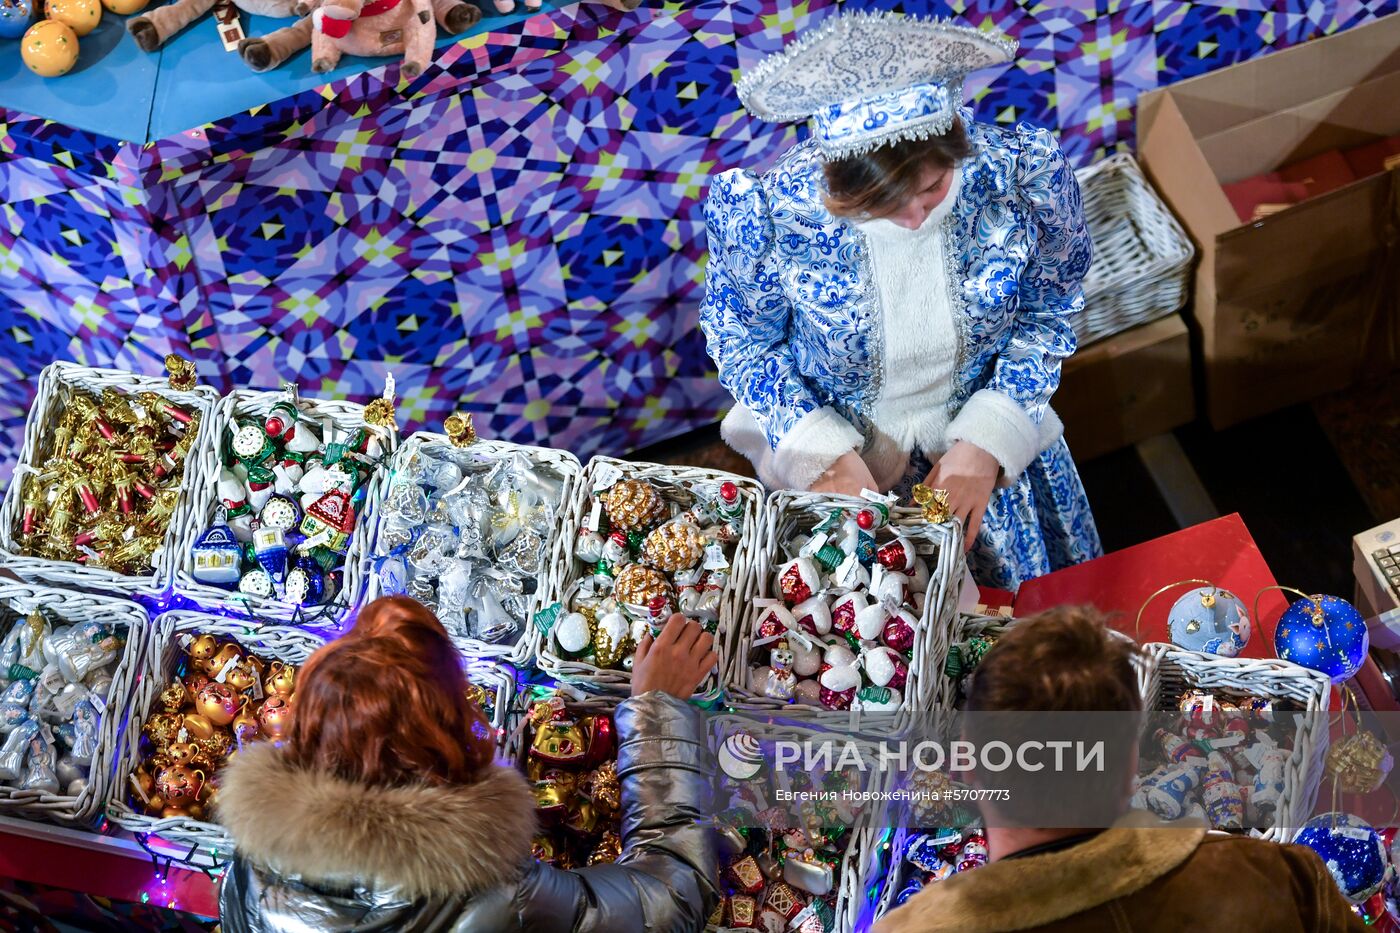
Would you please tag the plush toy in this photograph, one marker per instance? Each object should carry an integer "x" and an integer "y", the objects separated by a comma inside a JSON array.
[
  {"x": 380, "y": 27},
  {"x": 153, "y": 29},
  {"x": 263, "y": 53}
]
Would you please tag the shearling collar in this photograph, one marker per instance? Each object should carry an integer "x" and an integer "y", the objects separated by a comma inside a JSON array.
[
  {"x": 1020, "y": 894},
  {"x": 424, "y": 841}
]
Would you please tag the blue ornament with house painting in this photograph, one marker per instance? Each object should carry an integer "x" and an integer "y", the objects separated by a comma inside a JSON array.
[
  {"x": 217, "y": 557},
  {"x": 1211, "y": 621},
  {"x": 1324, "y": 633}
]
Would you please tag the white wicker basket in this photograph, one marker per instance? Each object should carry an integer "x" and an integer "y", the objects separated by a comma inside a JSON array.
[
  {"x": 788, "y": 513},
  {"x": 860, "y": 865},
  {"x": 55, "y": 390},
  {"x": 1142, "y": 257},
  {"x": 86, "y": 807},
  {"x": 675, "y": 483},
  {"x": 1174, "y": 670},
  {"x": 206, "y": 508},
  {"x": 158, "y": 665},
  {"x": 498, "y": 680},
  {"x": 549, "y": 589}
]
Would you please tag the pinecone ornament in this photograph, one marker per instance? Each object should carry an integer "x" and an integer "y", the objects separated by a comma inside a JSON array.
[
  {"x": 634, "y": 505},
  {"x": 674, "y": 546},
  {"x": 638, "y": 585}
]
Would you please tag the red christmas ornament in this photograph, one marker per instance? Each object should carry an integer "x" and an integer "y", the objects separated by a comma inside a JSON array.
[
  {"x": 728, "y": 491},
  {"x": 832, "y": 699},
  {"x": 898, "y": 633},
  {"x": 797, "y": 580},
  {"x": 865, "y": 519},
  {"x": 898, "y": 555}
]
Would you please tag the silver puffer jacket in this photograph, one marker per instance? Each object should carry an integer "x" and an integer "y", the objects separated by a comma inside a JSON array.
[{"x": 316, "y": 852}]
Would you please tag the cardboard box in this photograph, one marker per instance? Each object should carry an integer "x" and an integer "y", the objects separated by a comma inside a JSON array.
[
  {"x": 1122, "y": 389},
  {"x": 1300, "y": 303}
]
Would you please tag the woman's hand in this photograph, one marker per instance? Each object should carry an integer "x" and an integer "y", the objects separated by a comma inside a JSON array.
[
  {"x": 848, "y": 476},
  {"x": 969, "y": 474},
  {"x": 675, "y": 661}
]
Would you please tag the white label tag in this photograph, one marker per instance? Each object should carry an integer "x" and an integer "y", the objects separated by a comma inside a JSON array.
[
  {"x": 98, "y": 703},
  {"x": 846, "y": 573},
  {"x": 1353, "y": 832},
  {"x": 257, "y": 689},
  {"x": 1208, "y": 703},
  {"x": 714, "y": 558},
  {"x": 183, "y": 735},
  {"x": 803, "y": 916},
  {"x": 595, "y": 517},
  {"x": 814, "y": 544},
  {"x": 1228, "y": 741},
  {"x": 605, "y": 476},
  {"x": 223, "y": 671}
]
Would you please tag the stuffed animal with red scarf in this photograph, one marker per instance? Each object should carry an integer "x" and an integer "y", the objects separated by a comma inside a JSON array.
[
  {"x": 371, "y": 29},
  {"x": 262, "y": 53}
]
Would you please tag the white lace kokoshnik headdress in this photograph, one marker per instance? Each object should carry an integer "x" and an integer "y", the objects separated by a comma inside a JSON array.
[{"x": 870, "y": 79}]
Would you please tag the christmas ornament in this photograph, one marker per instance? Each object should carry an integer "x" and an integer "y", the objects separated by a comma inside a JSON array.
[
  {"x": 1324, "y": 633},
  {"x": 1209, "y": 620},
  {"x": 217, "y": 557},
  {"x": 49, "y": 48},
  {"x": 1352, "y": 851},
  {"x": 633, "y": 505},
  {"x": 82, "y": 16},
  {"x": 15, "y": 17},
  {"x": 676, "y": 545},
  {"x": 638, "y": 584}
]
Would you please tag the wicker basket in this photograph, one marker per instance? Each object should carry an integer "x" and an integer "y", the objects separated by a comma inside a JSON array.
[
  {"x": 499, "y": 681},
  {"x": 55, "y": 390},
  {"x": 675, "y": 483},
  {"x": 1142, "y": 257},
  {"x": 158, "y": 664},
  {"x": 789, "y": 513},
  {"x": 1174, "y": 670},
  {"x": 549, "y": 589},
  {"x": 206, "y": 508},
  {"x": 86, "y": 807},
  {"x": 860, "y": 865}
]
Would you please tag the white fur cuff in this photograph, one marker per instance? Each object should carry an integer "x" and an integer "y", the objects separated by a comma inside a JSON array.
[
  {"x": 992, "y": 421},
  {"x": 813, "y": 444}
]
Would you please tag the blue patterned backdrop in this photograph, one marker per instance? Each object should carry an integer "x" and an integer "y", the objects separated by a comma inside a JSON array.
[{"x": 517, "y": 231}]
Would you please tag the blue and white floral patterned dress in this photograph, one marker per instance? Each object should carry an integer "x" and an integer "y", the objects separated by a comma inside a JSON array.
[{"x": 793, "y": 317}]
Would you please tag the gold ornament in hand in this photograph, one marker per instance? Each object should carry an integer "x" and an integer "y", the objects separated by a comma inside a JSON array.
[{"x": 934, "y": 502}]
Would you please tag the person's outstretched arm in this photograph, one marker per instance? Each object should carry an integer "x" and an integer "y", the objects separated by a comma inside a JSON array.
[{"x": 665, "y": 879}]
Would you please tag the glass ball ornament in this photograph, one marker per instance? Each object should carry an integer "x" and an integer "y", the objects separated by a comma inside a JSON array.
[
  {"x": 1324, "y": 633},
  {"x": 1352, "y": 850},
  {"x": 82, "y": 16},
  {"x": 49, "y": 48},
  {"x": 15, "y": 17},
  {"x": 1210, "y": 621}
]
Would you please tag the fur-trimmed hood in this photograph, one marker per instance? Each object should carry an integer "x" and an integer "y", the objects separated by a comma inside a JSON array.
[
  {"x": 423, "y": 841},
  {"x": 1021, "y": 894}
]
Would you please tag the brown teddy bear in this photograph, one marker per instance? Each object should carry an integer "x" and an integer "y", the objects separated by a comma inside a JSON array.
[{"x": 263, "y": 53}]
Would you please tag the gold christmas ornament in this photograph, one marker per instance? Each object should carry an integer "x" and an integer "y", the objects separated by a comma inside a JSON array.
[
  {"x": 82, "y": 16},
  {"x": 608, "y": 850},
  {"x": 459, "y": 430},
  {"x": 1358, "y": 763},
  {"x": 934, "y": 502},
  {"x": 674, "y": 546},
  {"x": 638, "y": 585},
  {"x": 179, "y": 370},
  {"x": 49, "y": 48},
  {"x": 634, "y": 505}
]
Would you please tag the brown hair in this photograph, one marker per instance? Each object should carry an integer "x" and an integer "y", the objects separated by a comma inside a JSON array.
[
  {"x": 881, "y": 180},
  {"x": 387, "y": 704},
  {"x": 1062, "y": 661}
]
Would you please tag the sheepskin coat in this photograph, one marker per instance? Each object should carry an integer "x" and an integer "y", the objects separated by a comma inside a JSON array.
[
  {"x": 318, "y": 852},
  {"x": 1140, "y": 876}
]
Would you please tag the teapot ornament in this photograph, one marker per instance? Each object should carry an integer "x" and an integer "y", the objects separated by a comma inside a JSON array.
[
  {"x": 218, "y": 703},
  {"x": 281, "y": 680},
  {"x": 275, "y": 717}
]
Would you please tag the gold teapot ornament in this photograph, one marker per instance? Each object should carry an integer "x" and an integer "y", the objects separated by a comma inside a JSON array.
[
  {"x": 227, "y": 655},
  {"x": 281, "y": 680},
  {"x": 197, "y": 726},
  {"x": 275, "y": 718},
  {"x": 245, "y": 673},
  {"x": 180, "y": 785},
  {"x": 246, "y": 727},
  {"x": 200, "y": 649},
  {"x": 218, "y": 703}
]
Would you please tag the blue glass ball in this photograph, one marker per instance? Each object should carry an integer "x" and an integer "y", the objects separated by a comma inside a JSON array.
[
  {"x": 16, "y": 16},
  {"x": 1210, "y": 621},
  {"x": 1333, "y": 641},
  {"x": 1352, "y": 851}
]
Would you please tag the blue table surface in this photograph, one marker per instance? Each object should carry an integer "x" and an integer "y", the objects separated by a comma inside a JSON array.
[{"x": 122, "y": 92}]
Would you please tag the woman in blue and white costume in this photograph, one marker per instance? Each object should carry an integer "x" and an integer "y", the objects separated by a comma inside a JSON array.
[{"x": 891, "y": 302}]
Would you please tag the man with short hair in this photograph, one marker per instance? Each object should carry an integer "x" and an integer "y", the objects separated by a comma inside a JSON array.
[{"x": 1138, "y": 874}]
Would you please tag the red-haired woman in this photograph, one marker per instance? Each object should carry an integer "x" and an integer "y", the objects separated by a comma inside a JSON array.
[{"x": 384, "y": 812}]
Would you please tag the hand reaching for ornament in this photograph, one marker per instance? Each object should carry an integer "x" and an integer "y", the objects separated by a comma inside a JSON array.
[
  {"x": 675, "y": 661},
  {"x": 848, "y": 476},
  {"x": 969, "y": 474}
]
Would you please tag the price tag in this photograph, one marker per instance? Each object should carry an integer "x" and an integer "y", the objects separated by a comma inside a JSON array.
[
  {"x": 605, "y": 476},
  {"x": 183, "y": 735},
  {"x": 814, "y": 544},
  {"x": 230, "y": 29},
  {"x": 257, "y": 689},
  {"x": 714, "y": 557},
  {"x": 223, "y": 671},
  {"x": 98, "y": 703},
  {"x": 595, "y": 517},
  {"x": 546, "y": 618},
  {"x": 803, "y": 916},
  {"x": 1354, "y": 832},
  {"x": 846, "y": 572}
]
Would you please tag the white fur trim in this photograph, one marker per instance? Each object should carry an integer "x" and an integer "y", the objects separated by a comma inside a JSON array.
[
  {"x": 1001, "y": 427},
  {"x": 813, "y": 444}
]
